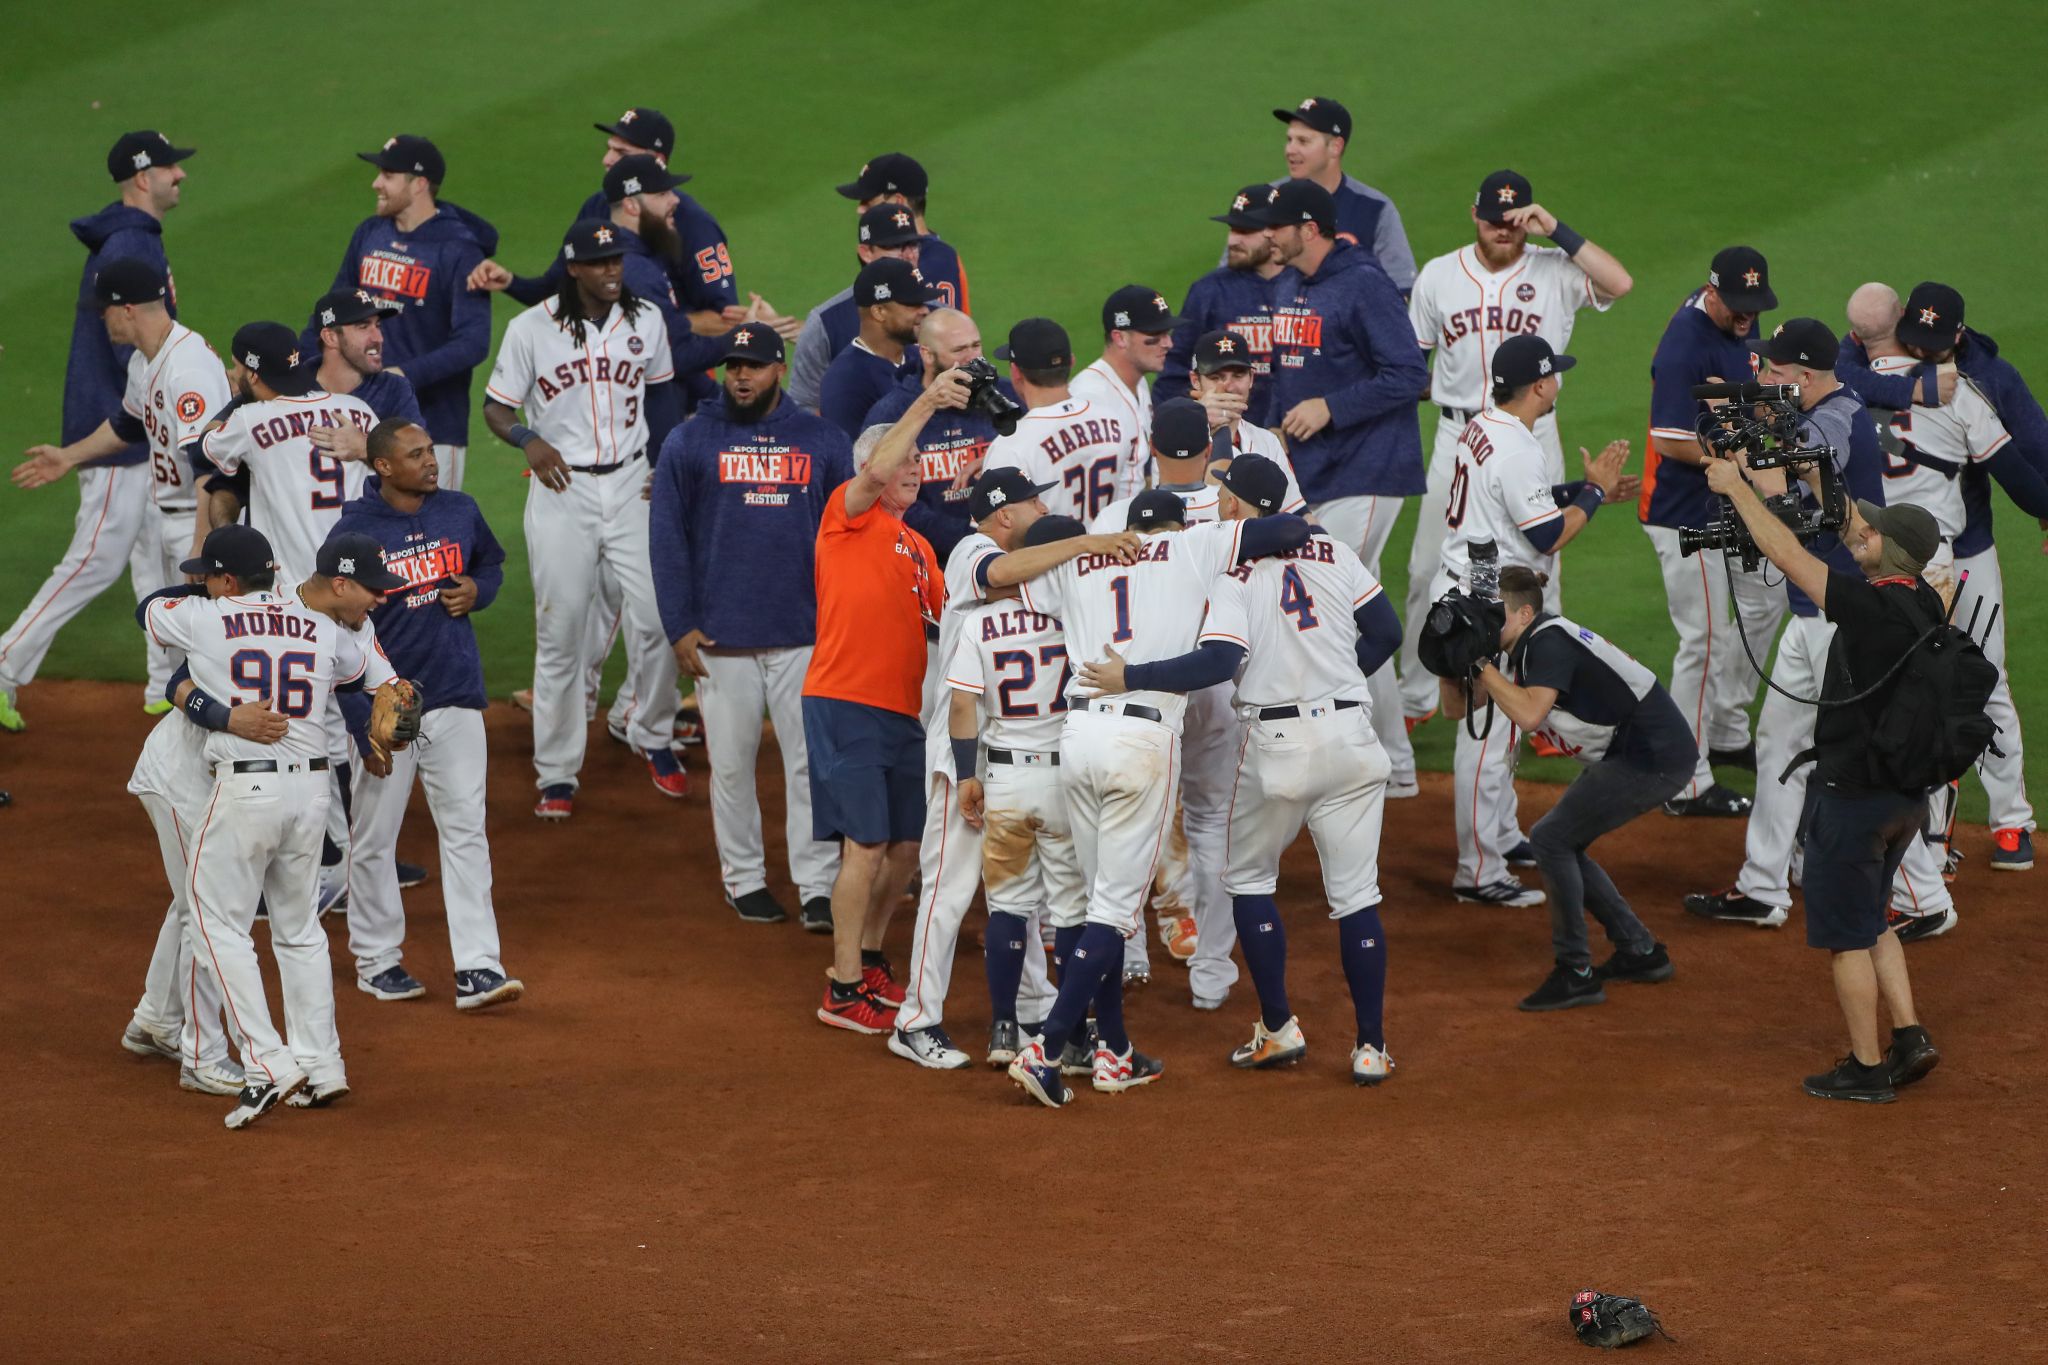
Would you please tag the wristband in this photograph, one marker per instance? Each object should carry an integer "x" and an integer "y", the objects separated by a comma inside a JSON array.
[
  {"x": 1566, "y": 238},
  {"x": 1589, "y": 498},
  {"x": 204, "y": 711},
  {"x": 1930, "y": 387},
  {"x": 522, "y": 436},
  {"x": 963, "y": 758}
]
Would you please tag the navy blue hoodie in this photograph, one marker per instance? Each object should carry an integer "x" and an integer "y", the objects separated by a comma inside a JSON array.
[
  {"x": 733, "y": 531},
  {"x": 444, "y": 332},
  {"x": 1224, "y": 298},
  {"x": 97, "y": 374},
  {"x": 1343, "y": 335}
]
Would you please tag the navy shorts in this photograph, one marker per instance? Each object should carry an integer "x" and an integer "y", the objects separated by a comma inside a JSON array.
[
  {"x": 867, "y": 772},
  {"x": 1854, "y": 842}
]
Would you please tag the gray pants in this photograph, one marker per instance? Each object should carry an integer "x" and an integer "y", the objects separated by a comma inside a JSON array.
[{"x": 1606, "y": 796}]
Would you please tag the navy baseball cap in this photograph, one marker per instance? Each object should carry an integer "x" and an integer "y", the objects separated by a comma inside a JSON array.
[
  {"x": 345, "y": 307},
  {"x": 1257, "y": 480},
  {"x": 1525, "y": 359},
  {"x": 640, "y": 173},
  {"x": 1323, "y": 115},
  {"x": 271, "y": 351},
  {"x": 643, "y": 127},
  {"x": 1037, "y": 344},
  {"x": 1155, "y": 507},
  {"x": 888, "y": 225},
  {"x": 1222, "y": 349},
  {"x": 1499, "y": 192},
  {"x": 410, "y": 154},
  {"x": 998, "y": 488},
  {"x": 1180, "y": 429},
  {"x": 1051, "y": 527},
  {"x": 1295, "y": 202},
  {"x": 128, "y": 280},
  {"x": 593, "y": 239},
  {"x": 1933, "y": 314},
  {"x": 1247, "y": 208},
  {"x": 359, "y": 557},
  {"x": 1138, "y": 308},
  {"x": 889, "y": 173},
  {"x": 139, "y": 151},
  {"x": 890, "y": 280},
  {"x": 1800, "y": 341},
  {"x": 234, "y": 548},
  {"x": 1743, "y": 279},
  {"x": 753, "y": 341}
]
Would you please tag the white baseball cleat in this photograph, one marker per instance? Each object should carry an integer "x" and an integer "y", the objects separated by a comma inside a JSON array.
[
  {"x": 146, "y": 1042},
  {"x": 212, "y": 1078},
  {"x": 1283, "y": 1046},
  {"x": 1369, "y": 1065}
]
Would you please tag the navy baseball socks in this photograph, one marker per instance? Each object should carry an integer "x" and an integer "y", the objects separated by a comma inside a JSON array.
[
  {"x": 1064, "y": 941},
  {"x": 1091, "y": 971},
  {"x": 1364, "y": 946},
  {"x": 1264, "y": 944},
  {"x": 1004, "y": 959}
]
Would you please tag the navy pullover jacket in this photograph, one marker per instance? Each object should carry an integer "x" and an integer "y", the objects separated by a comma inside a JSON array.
[
  {"x": 97, "y": 374},
  {"x": 1242, "y": 302}
]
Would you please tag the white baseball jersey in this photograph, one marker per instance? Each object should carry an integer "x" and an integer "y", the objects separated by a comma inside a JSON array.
[
  {"x": 586, "y": 399},
  {"x": 1960, "y": 433},
  {"x": 1500, "y": 488},
  {"x": 1294, "y": 617},
  {"x": 1099, "y": 386},
  {"x": 1075, "y": 444},
  {"x": 1015, "y": 660},
  {"x": 174, "y": 396},
  {"x": 1462, "y": 312},
  {"x": 1251, "y": 439},
  {"x": 264, "y": 644},
  {"x": 296, "y": 490},
  {"x": 964, "y": 593},
  {"x": 1149, "y": 610},
  {"x": 1201, "y": 502}
]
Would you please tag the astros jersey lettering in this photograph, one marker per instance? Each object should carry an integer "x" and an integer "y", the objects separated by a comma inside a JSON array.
[
  {"x": 587, "y": 398},
  {"x": 174, "y": 396},
  {"x": 1015, "y": 660},
  {"x": 1099, "y": 386},
  {"x": 1073, "y": 443},
  {"x": 1500, "y": 487},
  {"x": 296, "y": 490},
  {"x": 1927, "y": 449},
  {"x": 1462, "y": 312},
  {"x": 1294, "y": 616}
]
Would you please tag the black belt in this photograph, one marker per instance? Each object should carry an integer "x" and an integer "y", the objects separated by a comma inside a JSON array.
[
  {"x": 1456, "y": 414},
  {"x": 1006, "y": 756},
  {"x": 1124, "y": 708},
  {"x": 269, "y": 765},
  {"x": 606, "y": 468},
  {"x": 1294, "y": 712}
]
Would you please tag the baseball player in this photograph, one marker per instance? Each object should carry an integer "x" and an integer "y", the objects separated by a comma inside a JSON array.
[
  {"x": 1224, "y": 377},
  {"x": 1711, "y": 677},
  {"x": 895, "y": 179},
  {"x": 418, "y": 252},
  {"x": 1008, "y": 680},
  {"x": 987, "y": 565},
  {"x": 1500, "y": 491},
  {"x": 885, "y": 230},
  {"x": 113, "y": 491},
  {"x": 579, "y": 365},
  {"x": 1236, "y": 295},
  {"x": 351, "y": 327},
  {"x": 952, "y": 445},
  {"x": 1463, "y": 306},
  {"x": 738, "y": 497},
  {"x": 1318, "y": 133},
  {"x": 1308, "y": 627},
  {"x": 1137, "y": 332},
  {"x": 891, "y": 299},
  {"x": 260, "y": 835},
  {"x": 1080, "y": 447},
  {"x": 1118, "y": 757},
  {"x": 437, "y": 542},
  {"x": 175, "y": 385}
]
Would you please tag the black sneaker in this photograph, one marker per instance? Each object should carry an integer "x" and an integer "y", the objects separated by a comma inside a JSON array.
[
  {"x": 1913, "y": 928},
  {"x": 817, "y": 915},
  {"x": 1851, "y": 1080},
  {"x": 1005, "y": 1041},
  {"x": 1650, "y": 967},
  {"x": 1077, "y": 1058},
  {"x": 1565, "y": 989},
  {"x": 1731, "y": 905},
  {"x": 759, "y": 907},
  {"x": 1716, "y": 802},
  {"x": 1745, "y": 757},
  {"x": 410, "y": 875},
  {"x": 1911, "y": 1055},
  {"x": 1522, "y": 855}
]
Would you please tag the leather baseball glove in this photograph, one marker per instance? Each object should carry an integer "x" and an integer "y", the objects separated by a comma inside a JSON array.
[
  {"x": 1610, "y": 1320},
  {"x": 395, "y": 715}
]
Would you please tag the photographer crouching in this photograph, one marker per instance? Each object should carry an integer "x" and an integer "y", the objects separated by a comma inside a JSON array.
[
  {"x": 1859, "y": 823},
  {"x": 1599, "y": 706}
]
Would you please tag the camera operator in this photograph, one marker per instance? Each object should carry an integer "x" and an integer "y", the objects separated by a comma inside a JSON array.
[
  {"x": 1500, "y": 491},
  {"x": 1599, "y": 706},
  {"x": 952, "y": 442},
  {"x": 1858, "y": 830},
  {"x": 1803, "y": 352}
]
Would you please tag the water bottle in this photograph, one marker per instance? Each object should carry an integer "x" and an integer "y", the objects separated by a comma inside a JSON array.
[{"x": 1482, "y": 573}]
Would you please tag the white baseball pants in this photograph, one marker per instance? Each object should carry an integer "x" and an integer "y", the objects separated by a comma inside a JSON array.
[
  {"x": 449, "y": 758},
  {"x": 739, "y": 686},
  {"x": 1487, "y": 815},
  {"x": 2004, "y": 781},
  {"x": 451, "y": 460},
  {"x": 113, "y": 503},
  {"x": 1712, "y": 679},
  {"x": 1327, "y": 768},
  {"x": 160, "y": 547},
  {"x": 180, "y": 992},
  {"x": 1120, "y": 774},
  {"x": 1364, "y": 523}
]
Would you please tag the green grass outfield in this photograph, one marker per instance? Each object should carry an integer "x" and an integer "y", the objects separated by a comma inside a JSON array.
[{"x": 1072, "y": 150}]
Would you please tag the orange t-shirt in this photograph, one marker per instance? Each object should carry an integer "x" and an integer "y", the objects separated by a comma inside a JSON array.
[{"x": 878, "y": 583}]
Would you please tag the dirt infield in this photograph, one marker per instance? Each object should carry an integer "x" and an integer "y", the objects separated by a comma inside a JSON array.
[{"x": 660, "y": 1154}]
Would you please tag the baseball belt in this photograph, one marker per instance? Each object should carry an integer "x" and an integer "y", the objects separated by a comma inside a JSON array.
[
  {"x": 1459, "y": 415},
  {"x": 270, "y": 765},
  {"x": 1120, "y": 708},
  {"x": 1022, "y": 756},
  {"x": 606, "y": 468},
  {"x": 1294, "y": 712}
]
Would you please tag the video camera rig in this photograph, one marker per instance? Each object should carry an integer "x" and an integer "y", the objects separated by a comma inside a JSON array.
[{"x": 1760, "y": 426}]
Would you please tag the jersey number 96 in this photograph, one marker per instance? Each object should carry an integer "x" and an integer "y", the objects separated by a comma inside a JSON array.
[{"x": 254, "y": 673}]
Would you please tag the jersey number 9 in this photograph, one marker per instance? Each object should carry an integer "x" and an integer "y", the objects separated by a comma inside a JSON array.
[
  {"x": 292, "y": 697},
  {"x": 326, "y": 469}
]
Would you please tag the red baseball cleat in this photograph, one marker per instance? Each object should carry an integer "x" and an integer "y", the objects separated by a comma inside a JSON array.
[
  {"x": 880, "y": 982},
  {"x": 667, "y": 772},
  {"x": 859, "y": 1012}
]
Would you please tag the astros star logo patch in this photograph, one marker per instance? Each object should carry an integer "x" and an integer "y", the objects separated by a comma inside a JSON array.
[
  {"x": 628, "y": 116},
  {"x": 1225, "y": 346},
  {"x": 742, "y": 337},
  {"x": 901, "y": 220},
  {"x": 1928, "y": 317},
  {"x": 604, "y": 235},
  {"x": 1752, "y": 278},
  {"x": 1240, "y": 203},
  {"x": 1506, "y": 194}
]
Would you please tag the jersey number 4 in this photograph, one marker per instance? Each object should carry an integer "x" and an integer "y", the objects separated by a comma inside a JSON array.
[
  {"x": 1296, "y": 600},
  {"x": 252, "y": 673},
  {"x": 1027, "y": 673}
]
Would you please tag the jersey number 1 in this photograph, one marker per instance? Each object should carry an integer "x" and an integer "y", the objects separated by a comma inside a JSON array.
[{"x": 1120, "y": 589}]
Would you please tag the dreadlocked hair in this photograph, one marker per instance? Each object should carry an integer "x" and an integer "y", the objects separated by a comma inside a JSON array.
[{"x": 569, "y": 306}]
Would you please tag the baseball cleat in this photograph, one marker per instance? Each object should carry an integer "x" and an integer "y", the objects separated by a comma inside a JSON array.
[
  {"x": 333, "y": 889},
  {"x": 480, "y": 988},
  {"x": 318, "y": 1095},
  {"x": 1716, "y": 802},
  {"x": 1283, "y": 1046},
  {"x": 2012, "y": 850},
  {"x": 1565, "y": 989},
  {"x": 929, "y": 1047},
  {"x": 1742, "y": 757},
  {"x": 689, "y": 727},
  {"x": 1541, "y": 746},
  {"x": 146, "y": 1042},
  {"x": 1851, "y": 1080},
  {"x": 817, "y": 915},
  {"x": 1504, "y": 892},
  {"x": 259, "y": 1099},
  {"x": 880, "y": 982},
  {"x": 523, "y": 699},
  {"x": 667, "y": 772},
  {"x": 1911, "y": 1055},
  {"x": 1644, "y": 968},
  {"x": 409, "y": 875},
  {"x": 212, "y": 1078},
  {"x": 393, "y": 983},
  {"x": 1209, "y": 1002},
  {"x": 1913, "y": 928},
  {"x": 760, "y": 907},
  {"x": 10, "y": 719},
  {"x": 1951, "y": 866},
  {"x": 1403, "y": 789},
  {"x": 1117, "y": 1072},
  {"x": 1415, "y": 723},
  {"x": 1370, "y": 1065},
  {"x": 1005, "y": 1040},
  {"x": 1522, "y": 855},
  {"x": 1731, "y": 905},
  {"x": 857, "y": 1012},
  {"x": 1178, "y": 934},
  {"x": 1077, "y": 1058},
  {"x": 1137, "y": 975},
  {"x": 159, "y": 707},
  {"x": 556, "y": 803},
  {"x": 1038, "y": 1078}
]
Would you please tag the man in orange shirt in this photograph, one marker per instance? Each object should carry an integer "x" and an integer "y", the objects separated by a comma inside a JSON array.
[{"x": 879, "y": 588}]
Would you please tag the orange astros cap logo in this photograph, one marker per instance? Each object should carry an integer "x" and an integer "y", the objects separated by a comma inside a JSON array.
[
  {"x": 604, "y": 235},
  {"x": 1225, "y": 346},
  {"x": 1752, "y": 278},
  {"x": 629, "y": 116},
  {"x": 1928, "y": 317},
  {"x": 743, "y": 337},
  {"x": 901, "y": 220},
  {"x": 1506, "y": 194}
]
